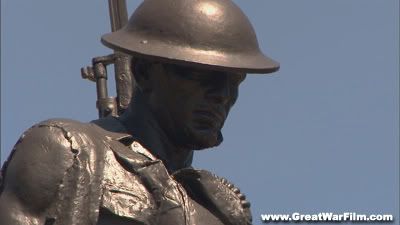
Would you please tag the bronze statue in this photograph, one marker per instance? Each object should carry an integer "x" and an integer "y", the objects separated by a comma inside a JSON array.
[{"x": 188, "y": 59}]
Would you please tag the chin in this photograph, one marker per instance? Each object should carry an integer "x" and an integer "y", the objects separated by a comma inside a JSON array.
[{"x": 200, "y": 140}]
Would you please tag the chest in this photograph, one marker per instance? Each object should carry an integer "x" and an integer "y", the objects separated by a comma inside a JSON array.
[
  {"x": 201, "y": 217},
  {"x": 126, "y": 200}
]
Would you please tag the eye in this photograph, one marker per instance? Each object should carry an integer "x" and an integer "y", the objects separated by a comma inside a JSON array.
[
  {"x": 197, "y": 75},
  {"x": 193, "y": 75},
  {"x": 185, "y": 72}
]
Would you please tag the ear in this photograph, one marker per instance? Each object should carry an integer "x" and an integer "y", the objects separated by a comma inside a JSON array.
[{"x": 141, "y": 72}]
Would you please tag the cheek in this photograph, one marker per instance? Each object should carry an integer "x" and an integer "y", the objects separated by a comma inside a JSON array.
[
  {"x": 184, "y": 102},
  {"x": 179, "y": 102},
  {"x": 186, "y": 93}
]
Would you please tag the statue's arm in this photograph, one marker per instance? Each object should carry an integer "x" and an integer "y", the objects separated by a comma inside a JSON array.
[{"x": 33, "y": 175}]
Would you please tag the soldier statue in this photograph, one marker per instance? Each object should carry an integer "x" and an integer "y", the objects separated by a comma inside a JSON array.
[{"x": 188, "y": 59}]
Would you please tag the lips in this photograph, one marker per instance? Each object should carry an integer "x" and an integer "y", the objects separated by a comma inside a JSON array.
[{"x": 209, "y": 118}]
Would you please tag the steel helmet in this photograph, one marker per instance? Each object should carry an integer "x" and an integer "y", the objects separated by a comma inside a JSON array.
[{"x": 201, "y": 33}]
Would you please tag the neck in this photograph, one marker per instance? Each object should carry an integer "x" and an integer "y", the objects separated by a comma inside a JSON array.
[{"x": 144, "y": 127}]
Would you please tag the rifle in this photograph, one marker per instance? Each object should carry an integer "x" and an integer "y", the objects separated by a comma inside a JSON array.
[{"x": 122, "y": 68}]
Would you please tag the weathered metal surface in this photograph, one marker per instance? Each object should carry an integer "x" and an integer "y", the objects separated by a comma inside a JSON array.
[
  {"x": 136, "y": 168},
  {"x": 208, "y": 34}
]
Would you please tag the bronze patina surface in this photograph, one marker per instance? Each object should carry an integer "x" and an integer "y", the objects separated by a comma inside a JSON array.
[
  {"x": 207, "y": 34},
  {"x": 136, "y": 168}
]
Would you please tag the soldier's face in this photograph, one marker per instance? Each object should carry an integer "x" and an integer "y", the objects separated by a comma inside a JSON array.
[{"x": 191, "y": 105}]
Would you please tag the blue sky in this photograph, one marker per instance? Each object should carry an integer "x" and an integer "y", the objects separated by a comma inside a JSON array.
[{"x": 320, "y": 135}]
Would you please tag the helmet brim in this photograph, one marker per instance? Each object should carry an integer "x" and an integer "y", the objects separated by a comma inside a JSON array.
[{"x": 141, "y": 46}]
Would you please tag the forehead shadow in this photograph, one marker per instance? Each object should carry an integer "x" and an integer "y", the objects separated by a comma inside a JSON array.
[{"x": 202, "y": 71}]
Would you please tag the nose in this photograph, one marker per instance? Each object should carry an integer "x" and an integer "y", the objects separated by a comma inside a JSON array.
[{"x": 219, "y": 91}]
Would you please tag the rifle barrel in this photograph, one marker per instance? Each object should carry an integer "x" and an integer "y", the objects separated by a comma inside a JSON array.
[
  {"x": 118, "y": 14},
  {"x": 123, "y": 74}
]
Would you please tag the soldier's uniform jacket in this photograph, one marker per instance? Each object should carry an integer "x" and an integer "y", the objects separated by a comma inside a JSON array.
[{"x": 112, "y": 174}]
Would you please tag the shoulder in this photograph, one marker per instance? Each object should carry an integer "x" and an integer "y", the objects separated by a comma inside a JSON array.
[{"x": 39, "y": 160}]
